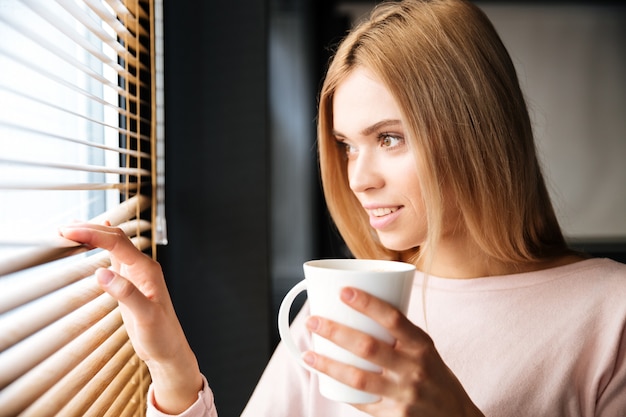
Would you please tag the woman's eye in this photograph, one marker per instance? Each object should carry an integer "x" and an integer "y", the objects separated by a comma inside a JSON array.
[
  {"x": 347, "y": 149},
  {"x": 390, "y": 141},
  {"x": 350, "y": 150}
]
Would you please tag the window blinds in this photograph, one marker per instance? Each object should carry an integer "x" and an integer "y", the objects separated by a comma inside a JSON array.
[{"x": 81, "y": 138}]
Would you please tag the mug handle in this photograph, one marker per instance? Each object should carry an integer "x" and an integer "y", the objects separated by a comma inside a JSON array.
[{"x": 283, "y": 323}]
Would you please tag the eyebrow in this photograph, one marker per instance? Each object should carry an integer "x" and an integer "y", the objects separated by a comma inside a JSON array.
[{"x": 373, "y": 128}]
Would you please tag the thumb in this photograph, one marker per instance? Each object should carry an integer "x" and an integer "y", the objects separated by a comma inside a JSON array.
[{"x": 120, "y": 288}]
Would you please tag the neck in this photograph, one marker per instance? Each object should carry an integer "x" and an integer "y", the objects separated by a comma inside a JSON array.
[{"x": 462, "y": 258}]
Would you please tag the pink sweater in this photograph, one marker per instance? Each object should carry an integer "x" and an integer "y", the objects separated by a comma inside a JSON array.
[{"x": 547, "y": 343}]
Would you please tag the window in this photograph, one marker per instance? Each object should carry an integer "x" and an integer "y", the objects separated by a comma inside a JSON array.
[{"x": 81, "y": 138}]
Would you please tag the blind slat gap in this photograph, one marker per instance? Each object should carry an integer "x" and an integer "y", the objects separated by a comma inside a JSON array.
[
  {"x": 70, "y": 385},
  {"x": 95, "y": 386},
  {"x": 37, "y": 350},
  {"x": 51, "y": 105},
  {"x": 85, "y": 142}
]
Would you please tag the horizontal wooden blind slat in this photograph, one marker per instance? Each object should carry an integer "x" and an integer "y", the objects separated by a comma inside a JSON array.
[
  {"x": 127, "y": 210},
  {"x": 22, "y": 357},
  {"x": 38, "y": 256},
  {"x": 106, "y": 400},
  {"x": 83, "y": 400},
  {"x": 18, "y": 289},
  {"x": 128, "y": 11},
  {"x": 126, "y": 396},
  {"x": 118, "y": 29},
  {"x": 70, "y": 187},
  {"x": 137, "y": 403},
  {"x": 53, "y": 400},
  {"x": 121, "y": 111},
  {"x": 79, "y": 141},
  {"x": 34, "y": 316},
  {"x": 85, "y": 77},
  {"x": 75, "y": 167},
  {"x": 80, "y": 39},
  {"x": 131, "y": 29},
  {"x": 55, "y": 78},
  {"x": 69, "y": 345},
  {"x": 110, "y": 19},
  {"x": 60, "y": 53},
  {"x": 56, "y": 107}
]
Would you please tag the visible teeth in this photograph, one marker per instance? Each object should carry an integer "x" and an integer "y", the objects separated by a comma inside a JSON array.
[{"x": 379, "y": 212}]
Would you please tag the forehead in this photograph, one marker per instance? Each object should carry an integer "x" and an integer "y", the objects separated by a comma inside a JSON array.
[{"x": 360, "y": 101}]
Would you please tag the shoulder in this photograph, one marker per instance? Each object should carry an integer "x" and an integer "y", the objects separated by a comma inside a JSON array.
[
  {"x": 600, "y": 271},
  {"x": 600, "y": 278}
]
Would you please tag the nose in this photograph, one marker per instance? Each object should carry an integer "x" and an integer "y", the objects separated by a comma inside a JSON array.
[{"x": 364, "y": 172}]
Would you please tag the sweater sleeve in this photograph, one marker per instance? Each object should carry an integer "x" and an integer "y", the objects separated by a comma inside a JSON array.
[
  {"x": 285, "y": 388},
  {"x": 611, "y": 400},
  {"x": 203, "y": 407},
  {"x": 282, "y": 391}
]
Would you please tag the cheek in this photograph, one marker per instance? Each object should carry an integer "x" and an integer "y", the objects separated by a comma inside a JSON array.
[
  {"x": 410, "y": 182},
  {"x": 415, "y": 200}
]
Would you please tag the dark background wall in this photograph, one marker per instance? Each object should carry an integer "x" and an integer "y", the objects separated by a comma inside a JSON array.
[
  {"x": 241, "y": 79},
  {"x": 222, "y": 187},
  {"x": 217, "y": 183}
]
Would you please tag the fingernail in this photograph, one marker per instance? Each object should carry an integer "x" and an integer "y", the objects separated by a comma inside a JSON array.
[
  {"x": 312, "y": 323},
  {"x": 105, "y": 276},
  {"x": 347, "y": 294},
  {"x": 308, "y": 358}
]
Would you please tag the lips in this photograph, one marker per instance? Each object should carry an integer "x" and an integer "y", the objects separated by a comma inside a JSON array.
[
  {"x": 382, "y": 217},
  {"x": 382, "y": 211}
]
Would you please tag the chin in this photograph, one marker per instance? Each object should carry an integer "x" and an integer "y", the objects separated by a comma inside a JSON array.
[{"x": 397, "y": 245}]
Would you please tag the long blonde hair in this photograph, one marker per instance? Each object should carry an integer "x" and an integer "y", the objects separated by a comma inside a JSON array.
[{"x": 466, "y": 117}]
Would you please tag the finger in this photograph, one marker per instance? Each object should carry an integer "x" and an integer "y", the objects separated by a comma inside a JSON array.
[
  {"x": 398, "y": 325},
  {"x": 350, "y": 375},
  {"x": 361, "y": 344},
  {"x": 112, "y": 239}
]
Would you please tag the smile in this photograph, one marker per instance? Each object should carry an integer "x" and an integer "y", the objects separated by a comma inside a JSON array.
[
  {"x": 382, "y": 211},
  {"x": 383, "y": 217}
]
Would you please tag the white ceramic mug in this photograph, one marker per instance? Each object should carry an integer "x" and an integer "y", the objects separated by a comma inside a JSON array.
[{"x": 388, "y": 280}]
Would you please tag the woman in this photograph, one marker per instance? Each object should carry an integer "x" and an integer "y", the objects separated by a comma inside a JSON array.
[{"x": 427, "y": 156}]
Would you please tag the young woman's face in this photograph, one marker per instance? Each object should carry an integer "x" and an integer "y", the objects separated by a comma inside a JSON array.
[{"x": 382, "y": 170}]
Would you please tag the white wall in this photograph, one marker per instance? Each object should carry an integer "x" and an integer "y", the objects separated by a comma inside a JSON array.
[{"x": 571, "y": 60}]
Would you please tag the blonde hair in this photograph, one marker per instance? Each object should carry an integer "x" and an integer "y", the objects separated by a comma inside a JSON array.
[{"x": 468, "y": 124}]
